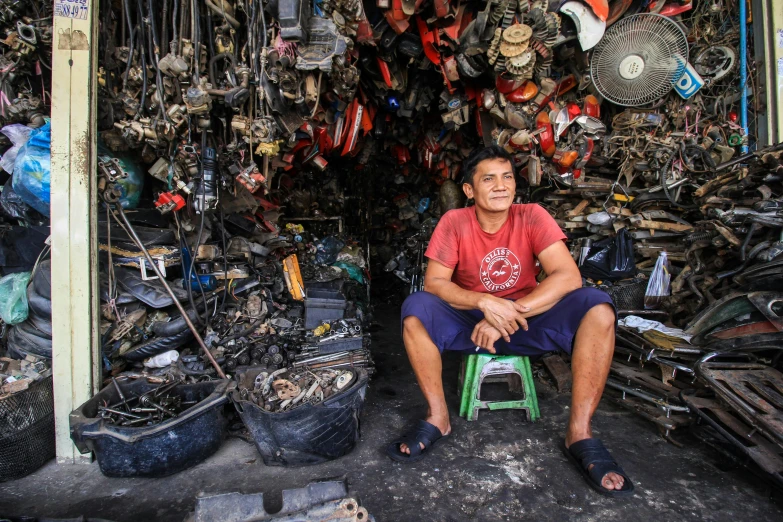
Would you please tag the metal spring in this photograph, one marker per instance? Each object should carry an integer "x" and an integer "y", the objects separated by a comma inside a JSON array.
[{"x": 706, "y": 235}]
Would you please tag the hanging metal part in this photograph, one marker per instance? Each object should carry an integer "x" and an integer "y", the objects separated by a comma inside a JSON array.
[{"x": 715, "y": 62}]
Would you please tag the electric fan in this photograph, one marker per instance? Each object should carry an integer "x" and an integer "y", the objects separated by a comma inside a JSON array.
[{"x": 639, "y": 59}]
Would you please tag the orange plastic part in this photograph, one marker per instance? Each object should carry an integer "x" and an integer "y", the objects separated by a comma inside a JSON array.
[
  {"x": 565, "y": 158},
  {"x": 600, "y": 8}
]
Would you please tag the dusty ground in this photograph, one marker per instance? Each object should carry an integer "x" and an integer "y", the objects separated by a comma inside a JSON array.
[{"x": 499, "y": 468}]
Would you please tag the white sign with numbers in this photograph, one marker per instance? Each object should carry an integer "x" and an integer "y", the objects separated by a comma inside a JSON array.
[{"x": 71, "y": 9}]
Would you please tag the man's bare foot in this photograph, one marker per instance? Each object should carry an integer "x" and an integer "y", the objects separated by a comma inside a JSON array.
[
  {"x": 610, "y": 481},
  {"x": 442, "y": 424}
]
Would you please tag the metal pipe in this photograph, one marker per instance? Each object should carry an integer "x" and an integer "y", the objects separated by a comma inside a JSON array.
[
  {"x": 182, "y": 311},
  {"x": 222, "y": 12},
  {"x": 743, "y": 49}
]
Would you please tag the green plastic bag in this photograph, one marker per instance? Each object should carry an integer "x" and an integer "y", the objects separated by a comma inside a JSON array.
[
  {"x": 354, "y": 272},
  {"x": 13, "y": 297}
]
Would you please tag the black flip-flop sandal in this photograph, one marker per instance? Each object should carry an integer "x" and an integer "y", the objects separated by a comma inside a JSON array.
[
  {"x": 589, "y": 452},
  {"x": 424, "y": 433}
]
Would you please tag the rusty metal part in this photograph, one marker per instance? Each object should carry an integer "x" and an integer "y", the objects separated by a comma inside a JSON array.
[
  {"x": 665, "y": 421},
  {"x": 636, "y": 391},
  {"x": 735, "y": 305},
  {"x": 748, "y": 441},
  {"x": 753, "y": 390}
]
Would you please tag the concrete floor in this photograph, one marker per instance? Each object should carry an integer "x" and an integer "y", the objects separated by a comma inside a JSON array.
[{"x": 499, "y": 468}]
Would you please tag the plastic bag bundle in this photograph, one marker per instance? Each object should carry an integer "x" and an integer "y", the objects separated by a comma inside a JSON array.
[
  {"x": 13, "y": 297},
  {"x": 659, "y": 285},
  {"x": 18, "y": 134},
  {"x": 327, "y": 250},
  {"x": 610, "y": 259},
  {"x": 32, "y": 170},
  {"x": 14, "y": 207}
]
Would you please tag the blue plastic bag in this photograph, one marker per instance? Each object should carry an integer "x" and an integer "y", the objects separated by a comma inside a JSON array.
[{"x": 32, "y": 170}]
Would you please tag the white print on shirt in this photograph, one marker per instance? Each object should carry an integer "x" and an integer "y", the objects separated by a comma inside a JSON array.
[{"x": 500, "y": 270}]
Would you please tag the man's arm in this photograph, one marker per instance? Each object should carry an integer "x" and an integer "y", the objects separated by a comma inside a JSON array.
[
  {"x": 562, "y": 277},
  {"x": 502, "y": 314}
]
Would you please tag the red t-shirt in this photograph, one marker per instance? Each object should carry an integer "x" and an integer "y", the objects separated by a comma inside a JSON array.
[{"x": 503, "y": 263}]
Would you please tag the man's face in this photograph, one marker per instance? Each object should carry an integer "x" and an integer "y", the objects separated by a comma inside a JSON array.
[{"x": 493, "y": 185}]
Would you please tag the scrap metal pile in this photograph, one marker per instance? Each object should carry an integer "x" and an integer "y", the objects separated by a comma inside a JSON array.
[
  {"x": 25, "y": 103},
  {"x": 19, "y": 375},
  {"x": 285, "y": 389}
]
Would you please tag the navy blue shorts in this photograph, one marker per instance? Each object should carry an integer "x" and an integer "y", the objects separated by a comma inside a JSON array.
[{"x": 450, "y": 329}]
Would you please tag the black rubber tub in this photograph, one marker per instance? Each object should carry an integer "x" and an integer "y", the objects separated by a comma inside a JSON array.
[
  {"x": 153, "y": 451},
  {"x": 310, "y": 434}
]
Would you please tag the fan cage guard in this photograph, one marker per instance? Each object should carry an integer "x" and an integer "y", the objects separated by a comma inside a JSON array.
[{"x": 660, "y": 44}]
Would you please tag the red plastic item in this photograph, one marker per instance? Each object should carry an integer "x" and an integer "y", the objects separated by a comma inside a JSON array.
[
  {"x": 401, "y": 154},
  {"x": 505, "y": 84},
  {"x": 441, "y": 8},
  {"x": 168, "y": 202},
  {"x": 586, "y": 150},
  {"x": 673, "y": 9},
  {"x": 573, "y": 110},
  {"x": 592, "y": 107},
  {"x": 565, "y": 84},
  {"x": 428, "y": 41},
  {"x": 524, "y": 93},
  {"x": 384, "y": 67},
  {"x": 733, "y": 116},
  {"x": 320, "y": 162},
  {"x": 364, "y": 30},
  {"x": 547, "y": 137},
  {"x": 353, "y": 124},
  {"x": 399, "y": 26},
  {"x": 397, "y": 11}
]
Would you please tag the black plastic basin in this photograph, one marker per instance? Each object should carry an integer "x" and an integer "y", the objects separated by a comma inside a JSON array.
[{"x": 153, "y": 451}]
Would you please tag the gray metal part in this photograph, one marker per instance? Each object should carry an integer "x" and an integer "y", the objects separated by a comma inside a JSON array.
[{"x": 298, "y": 504}]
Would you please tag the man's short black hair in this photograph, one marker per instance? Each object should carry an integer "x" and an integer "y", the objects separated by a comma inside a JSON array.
[{"x": 489, "y": 153}]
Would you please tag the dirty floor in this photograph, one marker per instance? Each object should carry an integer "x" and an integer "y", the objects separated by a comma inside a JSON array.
[{"x": 499, "y": 468}]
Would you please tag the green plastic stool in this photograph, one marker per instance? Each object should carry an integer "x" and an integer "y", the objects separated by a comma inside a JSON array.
[{"x": 478, "y": 368}]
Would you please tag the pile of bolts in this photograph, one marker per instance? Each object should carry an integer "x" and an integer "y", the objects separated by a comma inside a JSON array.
[{"x": 147, "y": 409}]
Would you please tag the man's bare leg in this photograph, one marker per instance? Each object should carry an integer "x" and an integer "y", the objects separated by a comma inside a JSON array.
[
  {"x": 425, "y": 359},
  {"x": 590, "y": 362}
]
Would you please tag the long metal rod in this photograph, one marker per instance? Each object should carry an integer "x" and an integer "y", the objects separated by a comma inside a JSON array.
[
  {"x": 743, "y": 49},
  {"x": 158, "y": 273}
]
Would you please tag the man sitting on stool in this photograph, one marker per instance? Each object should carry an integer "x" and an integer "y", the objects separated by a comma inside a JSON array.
[{"x": 480, "y": 295}]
